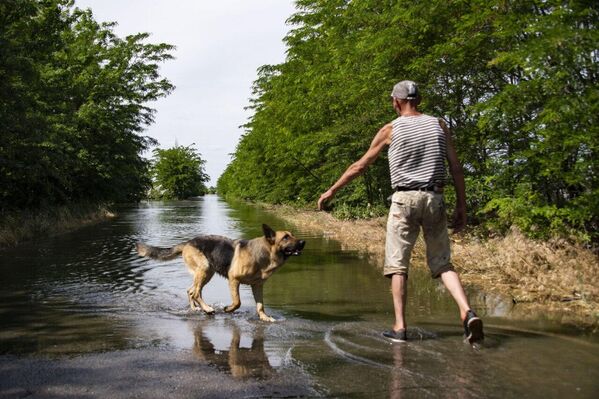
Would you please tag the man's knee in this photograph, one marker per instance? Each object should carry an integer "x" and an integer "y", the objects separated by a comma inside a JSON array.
[{"x": 436, "y": 272}]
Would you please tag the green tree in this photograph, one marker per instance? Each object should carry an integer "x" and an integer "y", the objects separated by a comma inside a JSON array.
[
  {"x": 178, "y": 173},
  {"x": 73, "y": 106},
  {"x": 515, "y": 80}
]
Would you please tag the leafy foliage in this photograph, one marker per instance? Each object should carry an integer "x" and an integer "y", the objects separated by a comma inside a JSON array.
[
  {"x": 73, "y": 106},
  {"x": 178, "y": 173},
  {"x": 516, "y": 81}
]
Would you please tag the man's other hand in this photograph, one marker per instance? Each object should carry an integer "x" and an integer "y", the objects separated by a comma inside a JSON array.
[
  {"x": 459, "y": 220},
  {"x": 324, "y": 198}
]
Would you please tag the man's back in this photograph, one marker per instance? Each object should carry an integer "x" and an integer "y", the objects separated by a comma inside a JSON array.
[{"x": 417, "y": 152}]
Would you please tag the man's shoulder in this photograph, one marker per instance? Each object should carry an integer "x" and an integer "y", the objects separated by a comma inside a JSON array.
[
  {"x": 434, "y": 120},
  {"x": 386, "y": 130}
]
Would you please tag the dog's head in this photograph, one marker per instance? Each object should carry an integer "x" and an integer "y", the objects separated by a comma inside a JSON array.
[{"x": 283, "y": 241}]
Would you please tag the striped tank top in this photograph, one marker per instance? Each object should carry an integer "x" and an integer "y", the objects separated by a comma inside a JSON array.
[{"x": 417, "y": 152}]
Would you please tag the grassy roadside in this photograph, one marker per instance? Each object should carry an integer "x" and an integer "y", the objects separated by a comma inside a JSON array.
[
  {"x": 17, "y": 227},
  {"x": 556, "y": 278}
]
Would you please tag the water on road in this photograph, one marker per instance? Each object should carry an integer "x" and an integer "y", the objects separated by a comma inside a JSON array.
[{"x": 86, "y": 300}]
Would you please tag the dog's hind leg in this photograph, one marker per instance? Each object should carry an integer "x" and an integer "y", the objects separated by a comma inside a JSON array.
[
  {"x": 190, "y": 295},
  {"x": 200, "y": 279},
  {"x": 202, "y": 273},
  {"x": 234, "y": 288}
]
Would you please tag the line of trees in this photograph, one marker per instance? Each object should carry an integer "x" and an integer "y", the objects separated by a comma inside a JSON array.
[
  {"x": 515, "y": 80},
  {"x": 73, "y": 106}
]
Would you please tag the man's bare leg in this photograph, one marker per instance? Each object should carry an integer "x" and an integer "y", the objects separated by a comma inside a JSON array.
[
  {"x": 451, "y": 280},
  {"x": 399, "y": 290}
]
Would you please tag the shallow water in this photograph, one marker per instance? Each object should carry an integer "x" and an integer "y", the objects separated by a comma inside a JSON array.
[{"x": 88, "y": 292}]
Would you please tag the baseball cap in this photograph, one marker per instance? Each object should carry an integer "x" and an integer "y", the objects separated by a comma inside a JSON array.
[{"x": 405, "y": 90}]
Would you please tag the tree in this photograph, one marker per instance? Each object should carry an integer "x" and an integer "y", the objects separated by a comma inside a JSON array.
[
  {"x": 178, "y": 173},
  {"x": 517, "y": 82},
  {"x": 74, "y": 102}
]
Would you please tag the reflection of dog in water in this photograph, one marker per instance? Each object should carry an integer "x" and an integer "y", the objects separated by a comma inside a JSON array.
[
  {"x": 241, "y": 362},
  {"x": 241, "y": 261}
]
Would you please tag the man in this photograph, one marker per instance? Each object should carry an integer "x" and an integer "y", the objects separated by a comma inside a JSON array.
[{"x": 418, "y": 144}]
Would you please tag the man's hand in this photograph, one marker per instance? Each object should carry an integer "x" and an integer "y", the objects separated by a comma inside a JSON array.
[
  {"x": 324, "y": 198},
  {"x": 459, "y": 219}
]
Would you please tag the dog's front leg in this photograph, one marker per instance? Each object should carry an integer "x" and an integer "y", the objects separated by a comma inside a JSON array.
[
  {"x": 266, "y": 273},
  {"x": 234, "y": 288},
  {"x": 258, "y": 296}
]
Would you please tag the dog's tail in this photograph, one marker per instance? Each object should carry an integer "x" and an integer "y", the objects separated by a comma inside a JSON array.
[{"x": 159, "y": 253}]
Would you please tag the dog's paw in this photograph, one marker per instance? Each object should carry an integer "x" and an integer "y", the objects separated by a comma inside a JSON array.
[
  {"x": 231, "y": 308},
  {"x": 209, "y": 310},
  {"x": 267, "y": 318}
]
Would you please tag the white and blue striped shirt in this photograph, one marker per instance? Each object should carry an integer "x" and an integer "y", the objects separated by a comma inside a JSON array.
[{"x": 417, "y": 152}]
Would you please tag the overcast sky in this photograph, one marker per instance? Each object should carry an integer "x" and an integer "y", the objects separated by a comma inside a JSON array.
[{"x": 220, "y": 45}]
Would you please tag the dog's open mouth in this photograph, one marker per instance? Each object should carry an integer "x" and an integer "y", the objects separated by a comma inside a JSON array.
[{"x": 296, "y": 250}]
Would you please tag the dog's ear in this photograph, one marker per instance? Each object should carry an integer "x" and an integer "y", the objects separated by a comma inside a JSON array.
[{"x": 269, "y": 233}]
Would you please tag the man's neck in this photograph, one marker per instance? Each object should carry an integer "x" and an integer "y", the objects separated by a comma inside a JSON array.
[{"x": 408, "y": 110}]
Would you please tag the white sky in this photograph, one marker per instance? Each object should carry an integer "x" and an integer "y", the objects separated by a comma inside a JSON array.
[{"x": 220, "y": 45}]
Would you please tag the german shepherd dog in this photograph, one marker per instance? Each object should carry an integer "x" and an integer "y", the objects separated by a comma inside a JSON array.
[{"x": 240, "y": 261}]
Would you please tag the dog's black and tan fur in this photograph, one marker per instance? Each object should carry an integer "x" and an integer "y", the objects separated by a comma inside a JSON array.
[{"x": 249, "y": 262}]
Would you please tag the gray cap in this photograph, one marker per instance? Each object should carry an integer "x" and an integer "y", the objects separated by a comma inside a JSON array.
[{"x": 405, "y": 90}]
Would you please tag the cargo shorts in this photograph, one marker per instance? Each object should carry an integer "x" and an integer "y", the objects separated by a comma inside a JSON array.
[{"x": 411, "y": 210}]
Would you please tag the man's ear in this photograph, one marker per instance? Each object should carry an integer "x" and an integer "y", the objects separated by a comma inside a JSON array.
[{"x": 269, "y": 233}]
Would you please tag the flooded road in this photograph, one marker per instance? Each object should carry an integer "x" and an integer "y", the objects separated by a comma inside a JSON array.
[{"x": 81, "y": 315}]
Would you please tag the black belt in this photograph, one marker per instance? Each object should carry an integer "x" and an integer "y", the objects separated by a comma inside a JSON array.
[{"x": 429, "y": 188}]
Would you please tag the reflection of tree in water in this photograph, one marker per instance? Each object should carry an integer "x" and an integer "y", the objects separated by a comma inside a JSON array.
[
  {"x": 57, "y": 326},
  {"x": 244, "y": 363}
]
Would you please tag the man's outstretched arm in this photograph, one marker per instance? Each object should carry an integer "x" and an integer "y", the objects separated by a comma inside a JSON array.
[{"x": 382, "y": 139}]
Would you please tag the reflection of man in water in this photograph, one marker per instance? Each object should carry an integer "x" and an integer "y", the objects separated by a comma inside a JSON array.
[
  {"x": 419, "y": 145},
  {"x": 397, "y": 383}
]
